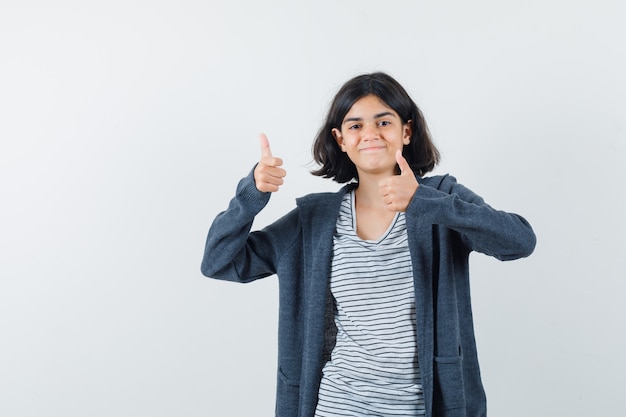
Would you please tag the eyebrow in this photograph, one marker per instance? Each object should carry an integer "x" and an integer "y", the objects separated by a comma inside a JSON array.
[{"x": 376, "y": 116}]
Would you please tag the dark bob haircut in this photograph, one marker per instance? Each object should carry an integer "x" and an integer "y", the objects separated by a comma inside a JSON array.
[{"x": 420, "y": 153}]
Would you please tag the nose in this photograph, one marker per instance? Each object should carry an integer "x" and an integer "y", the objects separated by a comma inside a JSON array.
[{"x": 370, "y": 131}]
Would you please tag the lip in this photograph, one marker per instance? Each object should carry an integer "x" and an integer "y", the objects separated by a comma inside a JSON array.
[{"x": 372, "y": 149}]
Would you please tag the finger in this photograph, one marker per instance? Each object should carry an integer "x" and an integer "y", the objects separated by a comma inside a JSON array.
[
  {"x": 402, "y": 163},
  {"x": 265, "y": 146},
  {"x": 274, "y": 171},
  {"x": 267, "y": 183},
  {"x": 271, "y": 181}
]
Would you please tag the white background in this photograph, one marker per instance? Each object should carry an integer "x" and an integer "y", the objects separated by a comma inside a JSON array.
[{"x": 125, "y": 126}]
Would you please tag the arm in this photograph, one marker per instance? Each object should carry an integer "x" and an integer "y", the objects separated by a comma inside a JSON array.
[
  {"x": 233, "y": 253},
  {"x": 228, "y": 235},
  {"x": 503, "y": 235}
]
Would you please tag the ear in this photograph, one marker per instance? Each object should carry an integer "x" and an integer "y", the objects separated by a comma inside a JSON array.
[
  {"x": 339, "y": 138},
  {"x": 407, "y": 132}
]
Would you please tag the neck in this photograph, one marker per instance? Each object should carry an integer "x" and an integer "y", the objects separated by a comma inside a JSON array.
[{"x": 367, "y": 193}]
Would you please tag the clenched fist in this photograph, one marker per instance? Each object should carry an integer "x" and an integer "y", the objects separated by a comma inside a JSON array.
[
  {"x": 398, "y": 190},
  {"x": 268, "y": 176}
]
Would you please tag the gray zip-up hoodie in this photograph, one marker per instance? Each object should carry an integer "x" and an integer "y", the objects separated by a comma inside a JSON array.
[{"x": 445, "y": 222}]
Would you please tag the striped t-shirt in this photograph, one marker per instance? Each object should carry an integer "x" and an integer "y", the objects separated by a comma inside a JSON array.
[{"x": 373, "y": 370}]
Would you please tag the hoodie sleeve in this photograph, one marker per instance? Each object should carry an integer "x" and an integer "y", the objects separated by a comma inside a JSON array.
[
  {"x": 232, "y": 252},
  {"x": 503, "y": 235}
]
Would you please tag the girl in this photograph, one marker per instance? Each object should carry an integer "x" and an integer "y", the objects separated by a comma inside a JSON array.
[{"x": 375, "y": 315}]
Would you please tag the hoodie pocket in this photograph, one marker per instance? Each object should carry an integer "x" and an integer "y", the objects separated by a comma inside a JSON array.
[
  {"x": 289, "y": 381},
  {"x": 449, "y": 390},
  {"x": 287, "y": 395}
]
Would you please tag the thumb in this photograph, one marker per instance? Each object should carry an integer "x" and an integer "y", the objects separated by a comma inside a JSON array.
[
  {"x": 403, "y": 164},
  {"x": 265, "y": 146}
]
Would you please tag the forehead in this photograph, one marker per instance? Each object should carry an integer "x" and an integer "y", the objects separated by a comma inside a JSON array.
[{"x": 369, "y": 106}]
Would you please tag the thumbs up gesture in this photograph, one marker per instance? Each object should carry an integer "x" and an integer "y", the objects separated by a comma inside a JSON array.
[
  {"x": 398, "y": 190},
  {"x": 268, "y": 175}
]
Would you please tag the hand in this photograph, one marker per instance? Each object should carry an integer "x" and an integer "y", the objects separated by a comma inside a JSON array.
[
  {"x": 398, "y": 190},
  {"x": 268, "y": 175}
]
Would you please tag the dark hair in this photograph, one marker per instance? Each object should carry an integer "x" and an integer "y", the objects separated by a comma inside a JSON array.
[{"x": 420, "y": 153}]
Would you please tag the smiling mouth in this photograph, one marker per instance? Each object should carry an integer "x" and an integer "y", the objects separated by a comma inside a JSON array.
[{"x": 372, "y": 148}]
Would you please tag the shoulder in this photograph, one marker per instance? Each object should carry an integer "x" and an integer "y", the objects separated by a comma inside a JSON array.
[
  {"x": 323, "y": 200},
  {"x": 448, "y": 184},
  {"x": 445, "y": 182}
]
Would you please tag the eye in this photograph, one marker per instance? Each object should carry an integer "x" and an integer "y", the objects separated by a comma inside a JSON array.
[
  {"x": 384, "y": 123},
  {"x": 354, "y": 126}
]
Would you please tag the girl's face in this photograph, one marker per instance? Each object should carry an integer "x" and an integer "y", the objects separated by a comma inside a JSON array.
[{"x": 370, "y": 134}]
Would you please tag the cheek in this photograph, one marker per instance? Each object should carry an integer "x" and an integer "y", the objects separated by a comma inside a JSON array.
[{"x": 348, "y": 141}]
